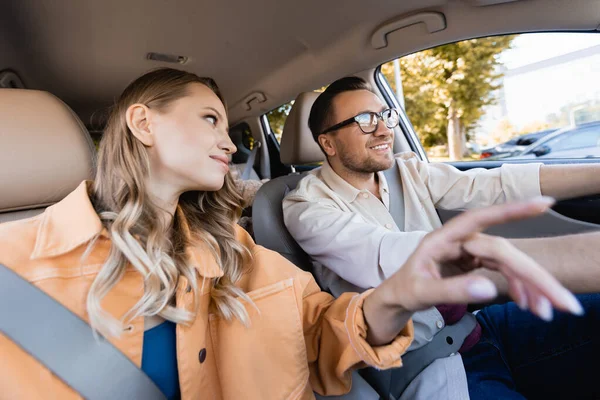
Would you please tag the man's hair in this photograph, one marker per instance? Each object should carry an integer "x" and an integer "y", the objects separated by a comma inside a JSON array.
[{"x": 321, "y": 113}]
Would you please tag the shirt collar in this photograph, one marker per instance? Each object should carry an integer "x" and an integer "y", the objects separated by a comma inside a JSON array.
[
  {"x": 342, "y": 188},
  {"x": 67, "y": 224},
  {"x": 73, "y": 222}
]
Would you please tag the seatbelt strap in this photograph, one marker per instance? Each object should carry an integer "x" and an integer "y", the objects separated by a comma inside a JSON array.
[
  {"x": 250, "y": 162},
  {"x": 444, "y": 343},
  {"x": 66, "y": 345},
  {"x": 394, "y": 182},
  {"x": 393, "y": 382}
]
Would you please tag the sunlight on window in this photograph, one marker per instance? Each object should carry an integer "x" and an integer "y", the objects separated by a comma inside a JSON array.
[{"x": 495, "y": 97}]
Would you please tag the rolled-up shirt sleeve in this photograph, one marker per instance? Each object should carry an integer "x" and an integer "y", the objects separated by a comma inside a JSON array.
[{"x": 359, "y": 252}]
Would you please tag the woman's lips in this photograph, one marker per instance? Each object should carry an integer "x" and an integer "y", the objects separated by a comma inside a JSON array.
[{"x": 223, "y": 160}]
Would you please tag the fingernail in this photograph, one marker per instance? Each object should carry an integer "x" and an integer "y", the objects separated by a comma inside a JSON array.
[
  {"x": 522, "y": 304},
  {"x": 574, "y": 305},
  {"x": 544, "y": 309},
  {"x": 482, "y": 289},
  {"x": 545, "y": 201}
]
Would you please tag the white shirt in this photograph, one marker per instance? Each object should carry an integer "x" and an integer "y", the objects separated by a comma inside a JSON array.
[{"x": 355, "y": 243}]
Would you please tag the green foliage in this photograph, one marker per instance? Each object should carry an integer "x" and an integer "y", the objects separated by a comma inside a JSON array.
[
  {"x": 464, "y": 74},
  {"x": 96, "y": 137},
  {"x": 277, "y": 118}
]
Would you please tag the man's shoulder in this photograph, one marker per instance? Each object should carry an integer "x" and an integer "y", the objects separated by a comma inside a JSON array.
[
  {"x": 413, "y": 167},
  {"x": 407, "y": 157}
]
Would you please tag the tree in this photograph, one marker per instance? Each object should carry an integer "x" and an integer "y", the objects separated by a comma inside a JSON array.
[
  {"x": 503, "y": 132},
  {"x": 535, "y": 126},
  {"x": 277, "y": 118},
  {"x": 446, "y": 88}
]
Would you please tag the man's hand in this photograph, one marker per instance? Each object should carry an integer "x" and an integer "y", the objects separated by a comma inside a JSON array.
[{"x": 421, "y": 283}]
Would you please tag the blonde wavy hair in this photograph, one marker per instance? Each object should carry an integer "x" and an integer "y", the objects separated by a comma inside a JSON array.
[{"x": 141, "y": 238}]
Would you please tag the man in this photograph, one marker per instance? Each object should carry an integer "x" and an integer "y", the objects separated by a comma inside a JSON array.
[{"x": 339, "y": 214}]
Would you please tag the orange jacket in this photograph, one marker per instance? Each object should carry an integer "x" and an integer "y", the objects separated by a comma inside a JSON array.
[{"x": 300, "y": 340}]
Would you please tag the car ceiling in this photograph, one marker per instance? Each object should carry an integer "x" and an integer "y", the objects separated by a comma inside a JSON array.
[{"x": 86, "y": 52}]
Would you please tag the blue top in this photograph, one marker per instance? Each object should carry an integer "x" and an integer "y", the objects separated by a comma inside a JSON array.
[{"x": 159, "y": 358}]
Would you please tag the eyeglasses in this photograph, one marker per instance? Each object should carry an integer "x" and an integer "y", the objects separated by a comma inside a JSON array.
[{"x": 368, "y": 121}]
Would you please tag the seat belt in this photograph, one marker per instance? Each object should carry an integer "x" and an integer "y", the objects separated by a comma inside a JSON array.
[
  {"x": 250, "y": 162},
  {"x": 66, "y": 345},
  {"x": 394, "y": 182},
  {"x": 390, "y": 384}
]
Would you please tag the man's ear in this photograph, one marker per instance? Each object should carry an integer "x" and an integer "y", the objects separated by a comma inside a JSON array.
[
  {"x": 327, "y": 144},
  {"x": 137, "y": 121}
]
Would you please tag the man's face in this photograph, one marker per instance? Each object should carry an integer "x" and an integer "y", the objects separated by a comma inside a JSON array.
[{"x": 357, "y": 151}]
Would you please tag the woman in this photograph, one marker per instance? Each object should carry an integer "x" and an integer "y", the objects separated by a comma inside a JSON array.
[{"x": 150, "y": 255}]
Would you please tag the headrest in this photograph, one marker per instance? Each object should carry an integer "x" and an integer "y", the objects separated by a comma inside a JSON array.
[
  {"x": 45, "y": 150},
  {"x": 297, "y": 144}
]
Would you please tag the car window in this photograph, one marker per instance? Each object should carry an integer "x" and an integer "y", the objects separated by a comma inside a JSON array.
[
  {"x": 526, "y": 141},
  {"x": 277, "y": 119},
  {"x": 468, "y": 100},
  {"x": 241, "y": 136},
  {"x": 576, "y": 139},
  {"x": 96, "y": 137}
]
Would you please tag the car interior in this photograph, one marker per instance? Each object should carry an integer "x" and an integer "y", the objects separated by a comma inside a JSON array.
[{"x": 63, "y": 63}]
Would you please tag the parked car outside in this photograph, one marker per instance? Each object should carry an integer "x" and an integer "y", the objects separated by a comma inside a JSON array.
[
  {"x": 581, "y": 141},
  {"x": 514, "y": 145}
]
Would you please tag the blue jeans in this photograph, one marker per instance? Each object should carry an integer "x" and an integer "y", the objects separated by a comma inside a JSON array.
[{"x": 522, "y": 357}]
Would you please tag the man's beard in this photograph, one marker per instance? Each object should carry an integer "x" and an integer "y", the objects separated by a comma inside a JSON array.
[{"x": 364, "y": 166}]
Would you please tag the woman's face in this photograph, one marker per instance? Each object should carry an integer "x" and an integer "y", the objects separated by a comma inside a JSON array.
[{"x": 190, "y": 142}]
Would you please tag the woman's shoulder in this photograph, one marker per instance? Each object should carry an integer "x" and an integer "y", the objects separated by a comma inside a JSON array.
[
  {"x": 244, "y": 237},
  {"x": 268, "y": 266},
  {"x": 19, "y": 230},
  {"x": 18, "y": 238},
  {"x": 262, "y": 256}
]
